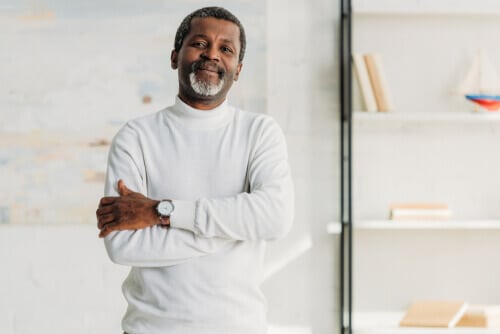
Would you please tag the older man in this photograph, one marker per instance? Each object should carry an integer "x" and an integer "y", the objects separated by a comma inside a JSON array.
[{"x": 194, "y": 191}]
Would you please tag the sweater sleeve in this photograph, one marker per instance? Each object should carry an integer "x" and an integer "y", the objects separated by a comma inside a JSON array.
[
  {"x": 263, "y": 213},
  {"x": 154, "y": 246}
]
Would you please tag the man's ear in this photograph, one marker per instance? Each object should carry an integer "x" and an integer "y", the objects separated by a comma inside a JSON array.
[
  {"x": 173, "y": 59},
  {"x": 238, "y": 70}
]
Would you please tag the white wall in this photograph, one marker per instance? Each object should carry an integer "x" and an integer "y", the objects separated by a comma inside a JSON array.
[
  {"x": 57, "y": 279},
  {"x": 302, "y": 86}
]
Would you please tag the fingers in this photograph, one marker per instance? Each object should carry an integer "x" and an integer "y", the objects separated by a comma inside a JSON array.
[
  {"x": 107, "y": 230},
  {"x": 104, "y": 215},
  {"x": 122, "y": 188},
  {"x": 104, "y": 233},
  {"x": 103, "y": 210},
  {"x": 103, "y": 220},
  {"x": 106, "y": 201}
]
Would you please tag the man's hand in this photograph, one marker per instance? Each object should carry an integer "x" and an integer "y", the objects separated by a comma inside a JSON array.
[{"x": 129, "y": 211}]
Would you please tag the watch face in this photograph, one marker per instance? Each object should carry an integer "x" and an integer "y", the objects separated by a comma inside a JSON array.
[{"x": 165, "y": 208}]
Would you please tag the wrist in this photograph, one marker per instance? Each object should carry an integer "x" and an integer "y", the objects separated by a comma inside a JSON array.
[
  {"x": 164, "y": 221},
  {"x": 155, "y": 219},
  {"x": 164, "y": 209}
]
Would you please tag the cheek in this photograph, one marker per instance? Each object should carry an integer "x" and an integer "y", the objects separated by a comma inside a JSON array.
[
  {"x": 234, "y": 73},
  {"x": 185, "y": 69}
]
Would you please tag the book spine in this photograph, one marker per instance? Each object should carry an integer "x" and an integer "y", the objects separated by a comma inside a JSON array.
[
  {"x": 379, "y": 82},
  {"x": 364, "y": 82}
]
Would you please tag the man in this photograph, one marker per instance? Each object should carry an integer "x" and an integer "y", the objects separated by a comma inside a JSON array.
[{"x": 193, "y": 193}]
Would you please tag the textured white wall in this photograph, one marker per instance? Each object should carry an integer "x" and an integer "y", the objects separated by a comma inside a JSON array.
[
  {"x": 72, "y": 75},
  {"x": 302, "y": 86},
  {"x": 57, "y": 279}
]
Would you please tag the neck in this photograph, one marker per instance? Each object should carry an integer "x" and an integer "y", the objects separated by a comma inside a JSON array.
[{"x": 207, "y": 103}]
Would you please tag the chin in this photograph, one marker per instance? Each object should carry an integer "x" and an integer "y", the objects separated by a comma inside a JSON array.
[{"x": 204, "y": 88}]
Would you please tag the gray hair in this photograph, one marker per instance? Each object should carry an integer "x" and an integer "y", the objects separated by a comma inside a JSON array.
[{"x": 216, "y": 12}]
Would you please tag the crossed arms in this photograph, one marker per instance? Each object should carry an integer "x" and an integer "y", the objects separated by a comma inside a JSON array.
[{"x": 131, "y": 229}]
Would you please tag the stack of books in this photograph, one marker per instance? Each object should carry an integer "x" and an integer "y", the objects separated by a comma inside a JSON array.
[
  {"x": 372, "y": 82},
  {"x": 419, "y": 211},
  {"x": 447, "y": 314}
]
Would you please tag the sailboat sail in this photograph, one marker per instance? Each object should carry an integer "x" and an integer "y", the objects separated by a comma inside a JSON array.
[{"x": 482, "y": 84}]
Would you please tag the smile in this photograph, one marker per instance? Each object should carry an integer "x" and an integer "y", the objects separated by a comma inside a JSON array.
[
  {"x": 209, "y": 73},
  {"x": 208, "y": 70}
]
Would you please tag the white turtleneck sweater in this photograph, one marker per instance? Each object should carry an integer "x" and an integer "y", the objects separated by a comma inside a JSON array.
[{"x": 227, "y": 173}]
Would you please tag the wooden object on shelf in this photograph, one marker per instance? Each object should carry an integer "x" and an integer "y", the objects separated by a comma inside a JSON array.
[
  {"x": 434, "y": 314},
  {"x": 485, "y": 316},
  {"x": 378, "y": 82},
  {"x": 364, "y": 82},
  {"x": 419, "y": 211}
]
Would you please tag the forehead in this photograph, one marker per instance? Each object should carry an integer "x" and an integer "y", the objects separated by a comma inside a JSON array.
[{"x": 215, "y": 28}]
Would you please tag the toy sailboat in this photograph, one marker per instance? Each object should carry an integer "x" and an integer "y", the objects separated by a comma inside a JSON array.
[{"x": 482, "y": 85}]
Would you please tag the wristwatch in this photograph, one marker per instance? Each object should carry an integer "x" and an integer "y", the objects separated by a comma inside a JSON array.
[{"x": 164, "y": 209}]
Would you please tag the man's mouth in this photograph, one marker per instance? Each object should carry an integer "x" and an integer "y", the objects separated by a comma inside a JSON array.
[
  {"x": 208, "y": 70},
  {"x": 207, "y": 67}
]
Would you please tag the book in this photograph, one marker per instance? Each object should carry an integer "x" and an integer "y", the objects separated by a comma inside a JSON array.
[
  {"x": 419, "y": 211},
  {"x": 434, "y": 314},
  {"x": 486, "y": 316},
  {"x": 364, "y": 82},
  {"x": 378, "y": 82}
]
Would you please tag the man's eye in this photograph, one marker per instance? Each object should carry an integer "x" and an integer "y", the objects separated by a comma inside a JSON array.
[
  {"x": 226, "y": 49},
  {"x": 198, "y": 44}
]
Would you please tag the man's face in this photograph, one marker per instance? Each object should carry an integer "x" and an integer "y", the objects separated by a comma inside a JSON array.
[{"x": 207, "y": 62}]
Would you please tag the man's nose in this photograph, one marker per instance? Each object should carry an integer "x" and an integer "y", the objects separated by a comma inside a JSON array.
[{"x": 211, "y": 53}]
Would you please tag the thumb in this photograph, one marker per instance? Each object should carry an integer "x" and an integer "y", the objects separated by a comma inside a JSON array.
[{"x": 122, "y": 188}]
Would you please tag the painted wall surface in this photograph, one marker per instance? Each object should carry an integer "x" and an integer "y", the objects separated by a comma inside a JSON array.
[
  {"x": 89, "y": 65},
  {"x": 71, "y": 75},
  {"x": 303, "y": 96}
]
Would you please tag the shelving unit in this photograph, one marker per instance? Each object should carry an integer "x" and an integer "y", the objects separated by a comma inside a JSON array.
[{"x": 427, "y": 46}]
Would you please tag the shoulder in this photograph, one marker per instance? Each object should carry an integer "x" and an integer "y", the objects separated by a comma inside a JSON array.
[
  {"x": 144, "y": 123},
  {"x": 258, "y": 122},
  {"x": 263, "y": 132},
  {"x": 135, "y": 128}
]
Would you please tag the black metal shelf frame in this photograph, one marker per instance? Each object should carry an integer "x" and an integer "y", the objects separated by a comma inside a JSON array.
[{"x": 345, "y": 168}]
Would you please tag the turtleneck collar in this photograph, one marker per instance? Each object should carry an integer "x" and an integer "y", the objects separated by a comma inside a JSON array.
[{"x": 200, "y": 119}]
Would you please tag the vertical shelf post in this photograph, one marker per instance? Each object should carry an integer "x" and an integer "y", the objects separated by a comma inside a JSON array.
[{"x": 345, "y": 168}]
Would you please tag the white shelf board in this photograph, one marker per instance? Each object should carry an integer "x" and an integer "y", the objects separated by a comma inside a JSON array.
[
  {"x": 426, "y": 117},
  {"x": 387, "y": 323},
  {"x": 334, "y": 227},
  {"x": 426, "y": 7},
  {"x": 428, "y": 225}
]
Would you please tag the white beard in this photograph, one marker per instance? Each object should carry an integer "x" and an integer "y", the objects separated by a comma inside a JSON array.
[{"x": 204, "y": 88}]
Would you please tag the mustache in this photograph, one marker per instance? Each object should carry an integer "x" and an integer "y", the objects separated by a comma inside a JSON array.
[{"x": 208, "y": 65}]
